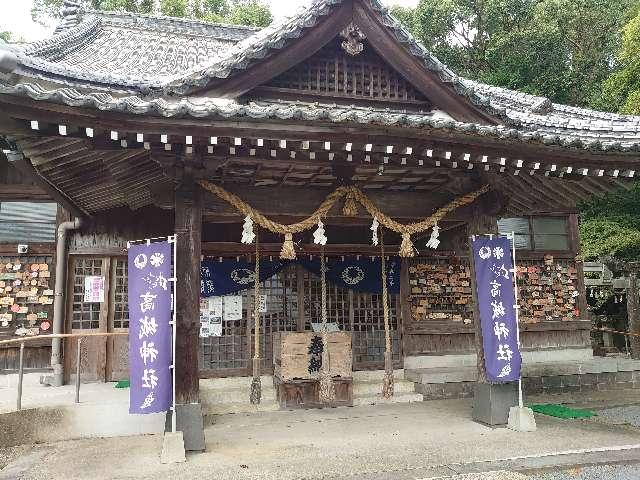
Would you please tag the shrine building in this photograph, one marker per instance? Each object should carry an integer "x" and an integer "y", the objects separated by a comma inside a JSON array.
[{"x": 142, "y": 127}]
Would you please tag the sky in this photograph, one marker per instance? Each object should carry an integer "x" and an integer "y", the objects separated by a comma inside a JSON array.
[{"x": 16, "y": 16}]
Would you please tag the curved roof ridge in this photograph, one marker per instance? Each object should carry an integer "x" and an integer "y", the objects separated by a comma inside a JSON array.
[
  {"x": 252, "y": 48},
  {"x": 528, "y": 104},
  {"x": 71, "y": 37},
  {"x": 151, "y": 21}
]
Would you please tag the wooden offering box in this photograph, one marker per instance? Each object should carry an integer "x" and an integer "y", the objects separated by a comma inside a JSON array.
[{"x": 297, "y": 359}]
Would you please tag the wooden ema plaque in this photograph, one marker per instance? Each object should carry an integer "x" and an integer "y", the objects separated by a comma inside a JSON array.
[{"x": 297, "y": 360}]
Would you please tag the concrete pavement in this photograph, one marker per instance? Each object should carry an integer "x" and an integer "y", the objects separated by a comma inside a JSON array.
[{"x": 412, "y": 441}]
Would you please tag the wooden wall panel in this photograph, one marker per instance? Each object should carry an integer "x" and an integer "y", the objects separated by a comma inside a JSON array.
[{"x": 35, "y": 358}]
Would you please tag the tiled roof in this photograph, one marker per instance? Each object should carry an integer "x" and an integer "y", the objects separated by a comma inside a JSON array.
[
  {"x": 621, "y": 135},
  {"x": 125, "y": 51},
  {"x": 156, "y": 61}
]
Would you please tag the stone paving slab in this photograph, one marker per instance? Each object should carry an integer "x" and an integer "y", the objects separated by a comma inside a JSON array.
[{"x": 401, "y": 442}]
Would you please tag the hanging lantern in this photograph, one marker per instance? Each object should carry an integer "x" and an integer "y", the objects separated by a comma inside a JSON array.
[
  {"x": 434, "y": 241},
  {"x": 319, "y": 236},
  {"x": 374, "y": 229},
  {"x": 248, "y": 235}
]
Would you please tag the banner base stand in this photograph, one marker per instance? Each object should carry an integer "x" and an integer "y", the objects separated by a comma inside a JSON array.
[
  {"x": 492, "y": 403},
  {"x": 522, "y": 420},
  {"x": 189, "y": 421},
  {"x": 173, "y": 448}
]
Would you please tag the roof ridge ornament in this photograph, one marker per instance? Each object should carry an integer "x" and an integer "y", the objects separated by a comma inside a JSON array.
[{"x": 353, "y": 39}]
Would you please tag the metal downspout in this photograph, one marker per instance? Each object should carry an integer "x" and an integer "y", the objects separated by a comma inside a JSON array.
[{"x": 58, "y": 303}]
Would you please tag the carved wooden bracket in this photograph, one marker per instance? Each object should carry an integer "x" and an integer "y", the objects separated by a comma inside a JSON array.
[{"x": 353, "y": 39}]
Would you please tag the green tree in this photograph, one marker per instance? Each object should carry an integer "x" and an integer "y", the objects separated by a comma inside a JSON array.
[
  {"x": 6, "y": 36},
  {"x": 622, "y": 88},
  {"x": 610, "y": 226},
  {"x": 557, "y": 48},
  {"x": 242, "y": 12}
]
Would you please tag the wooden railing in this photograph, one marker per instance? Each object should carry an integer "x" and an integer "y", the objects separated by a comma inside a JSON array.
[{"x": 79, "y": 336}]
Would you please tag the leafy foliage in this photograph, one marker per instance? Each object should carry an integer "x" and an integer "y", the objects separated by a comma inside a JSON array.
[
  {"x": 240, "y": 12},
  {"x": 561, "y": 49},
  {"x": 610, "y": 226},
  {"x": 6, "y": 36},
  {"x": 622, "y": 88}
]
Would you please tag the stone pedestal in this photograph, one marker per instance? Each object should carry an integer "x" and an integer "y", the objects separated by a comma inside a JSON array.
[
  {"x": 492, "y": 402},
  {"x": 191, "y": 424},
  {"x": 522, "y": 420},
  {"x": 173, "y": 448}
]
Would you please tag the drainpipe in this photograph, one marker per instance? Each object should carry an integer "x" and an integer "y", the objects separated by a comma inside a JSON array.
[{"x": 58, "y": 302}]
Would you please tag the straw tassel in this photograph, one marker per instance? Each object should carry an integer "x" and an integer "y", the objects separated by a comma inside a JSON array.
[
  {"x": 327, "y": 392},
  {"x": 406, "y": 247},
  {"x": 350, "y": 208},
  {"x": 256, "y": 383},
  {"x": 288, "y": 251},
  {"x": 327, "y": 388},
  {"x": 387, "y": 382}
]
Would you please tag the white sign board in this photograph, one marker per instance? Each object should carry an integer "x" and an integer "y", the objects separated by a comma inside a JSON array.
[
  {"x": 93, "y": 289},
  {"x": 232, "y": 308},
  {"x": 210, "y": 318}
]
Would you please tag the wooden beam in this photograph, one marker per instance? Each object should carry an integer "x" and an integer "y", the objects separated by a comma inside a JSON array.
[
  {"x": 414, "y": 69},
  {"x": 23, "y": 192},
  {"x": 25, "y": 167}
]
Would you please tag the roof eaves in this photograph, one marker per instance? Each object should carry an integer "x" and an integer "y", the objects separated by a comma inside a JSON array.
[{"x": 210, "y": 108}]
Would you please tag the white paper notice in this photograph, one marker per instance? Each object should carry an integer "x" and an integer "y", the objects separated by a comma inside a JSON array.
[
  {"x": 263, "y": 304},
  {"x": 93, "y": 289},
  {"x": 232, "y": 307},
  {"x": 215, "y": 305},
  {"x": 211, "y": 317}
]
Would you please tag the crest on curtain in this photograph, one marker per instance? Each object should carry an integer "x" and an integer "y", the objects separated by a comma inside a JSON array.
[{"x": 360, "y": 275}]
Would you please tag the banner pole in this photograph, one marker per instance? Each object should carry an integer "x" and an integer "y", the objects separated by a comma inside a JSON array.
[
  {"x": 174, "y": 420},
  {"x": 517, "y": 307}
]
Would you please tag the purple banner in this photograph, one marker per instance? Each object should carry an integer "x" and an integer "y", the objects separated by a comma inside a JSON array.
[
  {"x": 150, "y": 331},
  {"x": 496, "y": 300}
]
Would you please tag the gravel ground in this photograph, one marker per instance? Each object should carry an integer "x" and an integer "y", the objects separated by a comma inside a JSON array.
[
  {"x": 8, "y": 455},
  {"x": 606, "y": 472},
  {"x": 622, "y": 415}
]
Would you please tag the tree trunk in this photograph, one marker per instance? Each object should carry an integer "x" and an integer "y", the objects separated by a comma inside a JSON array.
[
  {"x": 188, "y": 228},
  {"x": 634, "y": 315}
]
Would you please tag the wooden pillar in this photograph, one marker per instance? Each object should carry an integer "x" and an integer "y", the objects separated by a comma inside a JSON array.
[
  {"x": 483, "y": 221},
  {"x": 188, "y": 228}
]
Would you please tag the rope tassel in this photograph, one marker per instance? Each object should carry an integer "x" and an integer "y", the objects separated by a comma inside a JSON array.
[
  {"x": 387, "y": 383},
  {"x": 406, "y": 247},
  {"x": 256, "y": 384},
  {"x": 327, "y": 388},
  {"x": 288, "y": 251},
  {"x": 350, "y": 208}
]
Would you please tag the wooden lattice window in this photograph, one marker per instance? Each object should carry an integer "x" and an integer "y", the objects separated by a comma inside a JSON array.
[
  {"x": 85, "y": 316},
  {"x": 334, "y": 73},
  {"x": 359, "y": 313},
  {"x": 120, "y": 299},
  {"x": 368, "y": 337},
  {"x": 338, "y": 303},
  {"x": 233, "y": 350}
]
